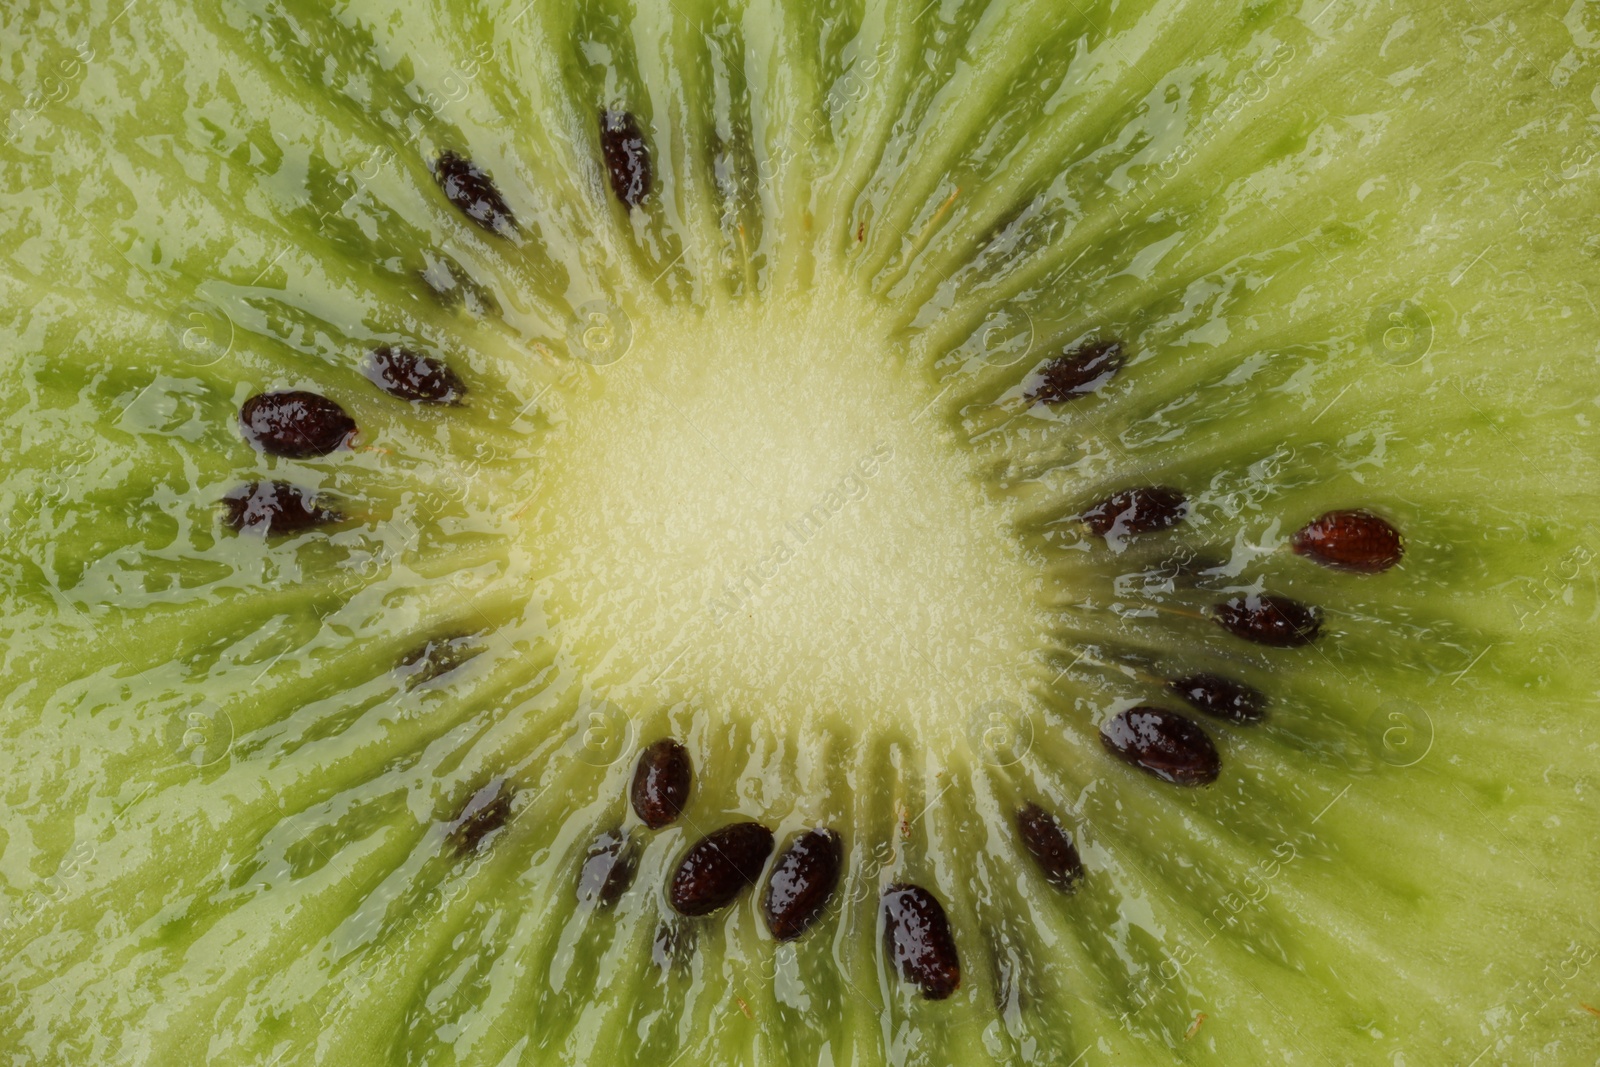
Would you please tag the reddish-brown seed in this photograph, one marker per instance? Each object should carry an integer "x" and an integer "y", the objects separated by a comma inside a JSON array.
[
  {"x": 1276, "y": 621},
  {"x": 1352, "y": 540},
  {"x": 1137, "y": 511},
  {"x": 718, "y": 867},
  {"x": 403, "y": 373},
  {"x": 627, "y": 156},
  {"x": 1050, "y": 847},
  {"x": 275, "y": 508},
  {"x": 295, "y": 423},
  {"x": 473, "y": 192},
  {"x": 919, "y": 940},
  {"x": 802, "y": 882},
  {"x": 1077, "y": 372},
  {"x": 661, "y": 782},
  {"x": 1222, "y": 697},
  {"x": 1163, "y": 743},
  {"x": 608, "y": 869},
  {"x": 485, "y": 812}
]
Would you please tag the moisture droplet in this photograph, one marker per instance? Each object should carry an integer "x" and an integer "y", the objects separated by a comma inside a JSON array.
[
  {"x": 295, "y": 423},
  {"x": 275, "y": 508},
  {"x": 1352, "y": 540},
  {"x": 473, "y": 192},
  {"x": 919, "y": 939},
  {"x": 661, "y": 782},
  {"x": 802, "y": 882},
  {"x": 718, "y": 867},
  {"x": 1269, "y": 620},
  {"x": 1222, "y": 697},
  {"x": 1163, "y": 743},
  {"x": 1050, "y": 846},
  {"x": 1137, "y": 511},
  {"x": 627, "y": 156},
  {"x": 1078, "y": 372},
  {"x": 421, "y": 379}
]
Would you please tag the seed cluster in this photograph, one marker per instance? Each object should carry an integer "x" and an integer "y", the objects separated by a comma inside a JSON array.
[{"x": 716, "y": 869}]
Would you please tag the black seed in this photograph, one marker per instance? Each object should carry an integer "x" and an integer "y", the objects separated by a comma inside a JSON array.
[
  {"x": 1137, "y": 511},
  {"x": 1082, "y": 370},
  {"x": 473, "y": 192},
  {"x": 918, "y": 935},
  {"x": 1351, "y": 540},
  {"x": 661, "y": 783},
  {"x": 1269, "y": 620},
  {"x": 1050, "y": 846},
  {"x": 802, "y": 882},
  {"x": 487, "y": 811},
  {"x": 403, "y": 373},
  {"x": 1160, "y": 742},
  {"x": 436, "y": 657},
  {"x": 627, "y": 156},
  {"x": 1222, "y": 697},
  {"x": 295, "y": 423},
  {"x": 608, "y": 869},
  {"x": 718, "y": 867},
  {"x": 275, "y": 508}
]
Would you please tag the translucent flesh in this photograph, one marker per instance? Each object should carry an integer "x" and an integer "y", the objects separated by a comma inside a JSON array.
[{"x": 1350, "y": 251}]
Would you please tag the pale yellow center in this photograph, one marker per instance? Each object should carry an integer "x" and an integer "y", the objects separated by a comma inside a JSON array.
[{"x": 761, "y": 510}]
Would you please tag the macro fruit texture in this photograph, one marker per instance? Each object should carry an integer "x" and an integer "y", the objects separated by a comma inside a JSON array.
[{"x": 848, "y": 532}]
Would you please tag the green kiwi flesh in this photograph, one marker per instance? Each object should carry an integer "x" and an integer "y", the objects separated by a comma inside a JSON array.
[{"x": 1119, "y": 476}]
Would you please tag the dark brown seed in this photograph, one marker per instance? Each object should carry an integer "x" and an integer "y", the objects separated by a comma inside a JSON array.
[
  {"x": 918, "y": 935},
  {"x": 1351, "y": 540},
  {"x": 473, "y": 192},
  {"x": 1163, "y": 743},
  {"x": 435, "y": 658},
  {"x": 802, "y": 882},
  {"x": 1222, "y": 697},
  {"x": 295, "y": 423},
  {"x": 275, "y": 508},
  {"x": 487, "y": 811},
  {"x": 718, "y": 867},
  {"x": 1050, "y": 846},
  {"x": 1269, "y": 620},
  {"x": 1137, "y": 511},
  {"x": 403, "y": 373},
  {"x": 608, "y": 869},
  {"x": 1078, "y": 372},
  {"x": 627, "y": 156},
  {"x": 661, "y": 783}
]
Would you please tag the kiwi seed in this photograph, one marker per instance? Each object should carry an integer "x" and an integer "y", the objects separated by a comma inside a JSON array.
[
  {"x": 1276, "y": 621},
  {"x": 661, "y": 782},
  {"x": 295, "y": 424},
  {"x": 1050, "y": 847},
  {"x": 1222, "y": 697},
  {"x": 411, "y": 376},
  {"x": 1137, "y": 511},
  {"x": 626, "y": 155},
  {"x": 718, "y": 867},
  {"x": 473, "y": 192},
  {"x": 485, "y": 812},
  {"x": 275, "y": 508},
  {"x": 1352, "y": 540},
  {"x": 919, "y": 939},
  {"x": 802, "y": 882},
  {"x": 1077, "y": 372},
  {"x": 609, "y": 867},
  {"x": 1162, "y": 743}
]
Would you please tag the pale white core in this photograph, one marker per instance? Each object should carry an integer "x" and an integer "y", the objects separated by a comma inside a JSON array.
[{"x": 763, "y": 511}]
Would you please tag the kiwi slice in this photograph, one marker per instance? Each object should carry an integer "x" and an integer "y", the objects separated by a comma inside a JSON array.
[{"x": 841, "y": 532}]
